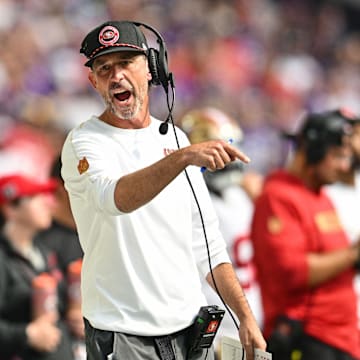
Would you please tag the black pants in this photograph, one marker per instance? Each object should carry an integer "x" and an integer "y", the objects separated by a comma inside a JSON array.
[
  {"x": 288, "y": 341},
  {"x": 99, "y": 343},
  {"x": 309, "y": 348},
  {"x": 313, "y": 349}
]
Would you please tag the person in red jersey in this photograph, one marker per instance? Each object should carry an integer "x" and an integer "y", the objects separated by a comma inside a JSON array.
[{"x": 304, "y": 260}]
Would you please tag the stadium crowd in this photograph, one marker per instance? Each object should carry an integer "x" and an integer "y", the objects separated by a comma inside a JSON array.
[{"x": 264, "y": 61}]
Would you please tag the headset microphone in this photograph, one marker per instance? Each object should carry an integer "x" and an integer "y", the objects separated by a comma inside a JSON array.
[
  {"x": 160, "y": 75},
  {"x": 163, "y": 128}
]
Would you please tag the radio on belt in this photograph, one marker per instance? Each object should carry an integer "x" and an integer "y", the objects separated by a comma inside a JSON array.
[{"x": 205, "y": 327}]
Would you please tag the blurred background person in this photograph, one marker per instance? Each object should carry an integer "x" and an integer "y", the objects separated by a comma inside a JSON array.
[
  {"x": 275, "y": 57},
  {"x": 303, "y": 257},
  {"x": 345, "y": 195},
  {"x": 232, "y": 190},
  {"x": 62, "y": 238},
  {"x": 62, "y": 235},
  {"x": 31, "y": 316}
]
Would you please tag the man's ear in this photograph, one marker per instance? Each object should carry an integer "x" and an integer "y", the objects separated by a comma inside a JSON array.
[
  {"x": 149, "y": 77},
  {"x": 92, "y": 79}
]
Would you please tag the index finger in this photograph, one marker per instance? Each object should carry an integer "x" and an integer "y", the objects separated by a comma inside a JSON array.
[{"x": 237, "y": 154}]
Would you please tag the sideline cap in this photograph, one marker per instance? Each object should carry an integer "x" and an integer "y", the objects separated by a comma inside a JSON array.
[
  {"x": 13, "y": 187},
  {"x": 327, "y": 127},
  {"x": 113, "y": 36}
]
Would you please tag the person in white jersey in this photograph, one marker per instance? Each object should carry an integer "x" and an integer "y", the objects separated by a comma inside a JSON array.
[
  {"x": 232, "y": 190},
  {"x": 345, "y": 195},
  {"x": 140, "y": 223}
]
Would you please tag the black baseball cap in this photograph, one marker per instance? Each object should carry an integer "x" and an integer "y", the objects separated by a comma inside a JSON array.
[
  {"x": 327, "y": 127},
  {"x": 113, "y": 36}
]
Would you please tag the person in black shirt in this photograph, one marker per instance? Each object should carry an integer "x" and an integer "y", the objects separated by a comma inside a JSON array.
[
  {"x": 63, "y": 239},
  {"x": 25, "y": 209}
]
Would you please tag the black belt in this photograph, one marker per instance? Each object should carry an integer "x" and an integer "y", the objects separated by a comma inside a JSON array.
[
  {"x": 164, "y": 347},
  {"x": 163, "y": 344}
]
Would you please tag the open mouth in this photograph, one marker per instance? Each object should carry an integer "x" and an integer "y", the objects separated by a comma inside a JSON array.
[{"x": 122, "y": 96}]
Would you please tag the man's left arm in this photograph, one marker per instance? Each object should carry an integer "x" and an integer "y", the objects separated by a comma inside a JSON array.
[{"x": 233, "y": 295}]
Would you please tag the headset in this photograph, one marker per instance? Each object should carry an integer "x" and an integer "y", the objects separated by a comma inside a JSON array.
[
  {"x": 321, "y": 131},
  {"x": 158, "y": 61},
  {"x": 315, "y": 147},
  {"x": 160, "y": 75},
  {"x": 327, "y": 130}
]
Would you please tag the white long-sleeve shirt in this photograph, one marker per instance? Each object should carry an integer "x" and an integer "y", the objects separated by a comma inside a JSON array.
[{"x": 141, "y": 269}]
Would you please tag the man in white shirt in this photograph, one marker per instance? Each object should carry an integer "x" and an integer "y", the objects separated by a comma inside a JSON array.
[{"x": 138, "y": 221}]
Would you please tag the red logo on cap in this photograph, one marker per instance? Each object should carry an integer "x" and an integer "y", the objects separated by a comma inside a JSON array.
[{"x": 109, "y": 35}]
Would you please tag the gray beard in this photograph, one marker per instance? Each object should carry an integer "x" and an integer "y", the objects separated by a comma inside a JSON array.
[{"x": 127, "y": 113}]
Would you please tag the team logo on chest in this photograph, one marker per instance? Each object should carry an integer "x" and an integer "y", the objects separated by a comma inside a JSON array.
[{"x": 327, "y": 221}]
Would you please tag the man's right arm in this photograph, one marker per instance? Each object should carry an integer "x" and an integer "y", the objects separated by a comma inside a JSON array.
[{"x": 136, "y": 189}]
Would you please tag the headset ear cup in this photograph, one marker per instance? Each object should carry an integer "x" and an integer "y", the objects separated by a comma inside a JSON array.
[
  {"x": 153, "y": 66},
  {"x": 162, "y": 67},
  {"x": 158, "y": 62}
]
